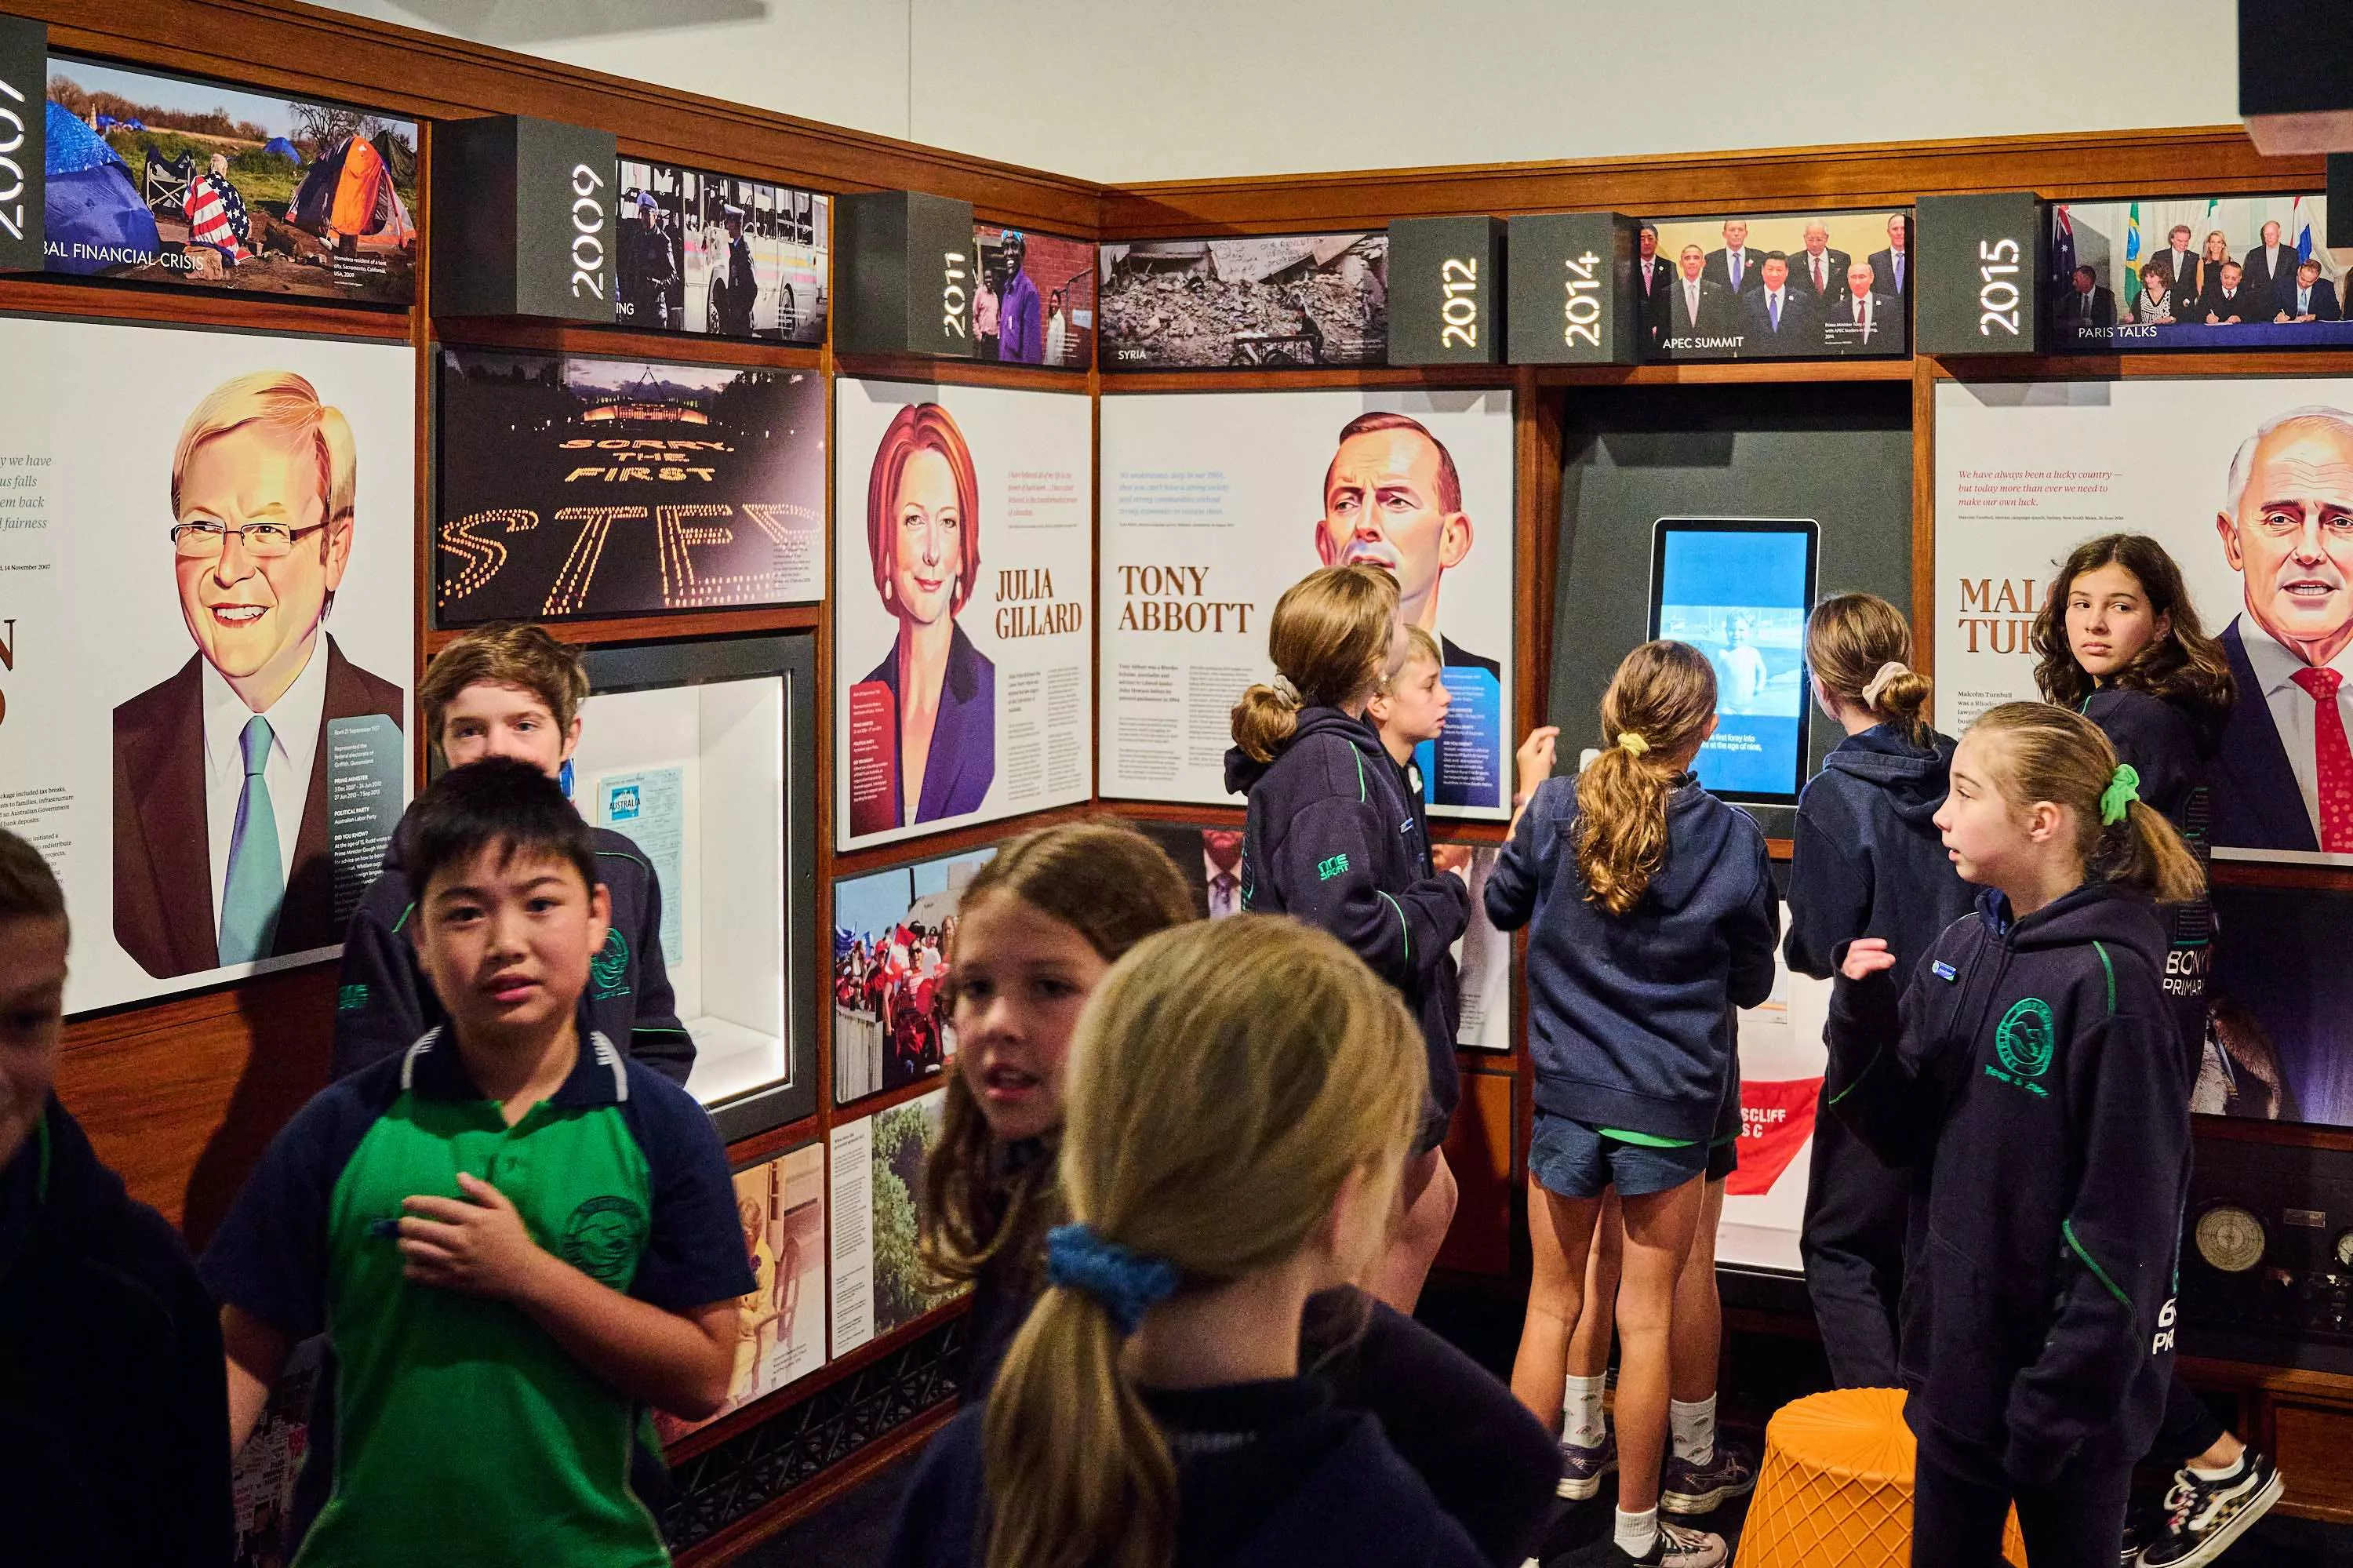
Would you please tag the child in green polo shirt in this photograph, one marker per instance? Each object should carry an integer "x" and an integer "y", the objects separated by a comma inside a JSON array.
[{"x": 513, "y": 1235}]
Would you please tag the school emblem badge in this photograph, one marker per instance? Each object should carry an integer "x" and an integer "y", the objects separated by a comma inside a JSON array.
[
  {"x": 608, "y": 971},
  {"x": 603, "y": 1238},
  {"x": 2023, "y": 1041}
]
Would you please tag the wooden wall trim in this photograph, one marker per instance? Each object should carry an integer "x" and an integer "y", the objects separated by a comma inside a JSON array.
[
  {"x": 2079, "y": 165},
  {"x": 428, "y": 74}
]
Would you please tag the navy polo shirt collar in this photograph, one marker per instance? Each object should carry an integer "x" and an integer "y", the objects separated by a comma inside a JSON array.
[{"x": 435, "y": 1069}]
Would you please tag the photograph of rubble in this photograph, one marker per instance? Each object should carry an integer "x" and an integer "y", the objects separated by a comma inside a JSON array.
[{"x": 1264, "y": 301}]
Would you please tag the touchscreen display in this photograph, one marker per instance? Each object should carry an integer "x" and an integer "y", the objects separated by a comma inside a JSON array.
[{"x": 1738, "y": 589}]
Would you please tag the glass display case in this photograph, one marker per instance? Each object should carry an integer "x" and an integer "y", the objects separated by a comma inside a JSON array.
[{"x": 702, "y": 754}]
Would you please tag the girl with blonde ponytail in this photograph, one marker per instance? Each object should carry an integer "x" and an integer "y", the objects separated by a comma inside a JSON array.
[
  {"x": 1243, "y": 1095},
  {"x": 2030, "y": 1062},
  {"x": 1653, "y": 917},
  {"x": 1037, "y": 930},
  {"x": 1867, "y": 862},
  {"x": 1331, "y": 835}
]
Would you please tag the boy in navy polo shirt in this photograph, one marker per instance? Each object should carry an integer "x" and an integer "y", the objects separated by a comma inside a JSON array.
[
  {"x": 113, "y": 1439},
  {"x": 513, "y": 691},
  {"x": 513, "y": 1235}
]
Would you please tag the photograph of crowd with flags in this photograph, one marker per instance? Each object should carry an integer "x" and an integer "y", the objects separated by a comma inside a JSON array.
[
  {"x": 163, "y": 179},
  {"x": 892, "y": 931},
  {"x": 2195, "y": 272}
]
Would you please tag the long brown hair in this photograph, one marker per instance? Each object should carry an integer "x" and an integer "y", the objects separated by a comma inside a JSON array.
[
  {"x": 1850, "y": 639},
  {"x": 2044, "y": 752},
  {"x": 1112, "y": 886},
  {"x": 1231, "y": 1076},
  {"x": 1658, "y": 704},
  {"x": 1330, "y": 639},
  {"x": 2183, "y": 666}
]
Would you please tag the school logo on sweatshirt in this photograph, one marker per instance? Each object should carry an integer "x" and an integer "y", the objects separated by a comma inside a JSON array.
[
  {"x": 608, "y": 971},
  {"x": 2024, "y": 1040}
]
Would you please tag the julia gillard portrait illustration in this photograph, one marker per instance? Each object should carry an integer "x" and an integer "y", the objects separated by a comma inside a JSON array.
[
  {"x": 221, "y": 770},
  {"x": 922, "y": 532}
]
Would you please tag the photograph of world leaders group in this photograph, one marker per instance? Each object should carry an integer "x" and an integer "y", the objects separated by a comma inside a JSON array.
[
  {"x": 1296, "y": 301},
  {"x": 2195, "y": 272},
  {"x": 1036, "y": 302},
  {"x": 719, "y": 254},
  {"x": 167, "y": 179},
  {"x": 891, "y": 936},
  {"x": 574, "y": 487},
  {"x": 1815, "y": 285}
]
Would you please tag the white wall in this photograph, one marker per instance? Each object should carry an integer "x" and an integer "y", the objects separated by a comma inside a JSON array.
[{"x": 1127, "y": 90}]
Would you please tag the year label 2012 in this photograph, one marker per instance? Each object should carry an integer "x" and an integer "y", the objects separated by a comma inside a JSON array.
[{"x": 1458, "y": 311}]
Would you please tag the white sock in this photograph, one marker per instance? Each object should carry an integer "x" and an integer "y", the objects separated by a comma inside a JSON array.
[
  {"x": 2223, "y": 1474},
  {"x": 1637, "y": 1531},
  {"x": 1693, "y": 1426},
  {"x": 1581, "y": 1412}
]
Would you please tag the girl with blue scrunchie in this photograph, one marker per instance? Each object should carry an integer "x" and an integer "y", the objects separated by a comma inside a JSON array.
[
  {"x": 1242, "y": 1098},
  {"x": 2031, "y": 1065},
  {"x": 1037, "y": 926}
]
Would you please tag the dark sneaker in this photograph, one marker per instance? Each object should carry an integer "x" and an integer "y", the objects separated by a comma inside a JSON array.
[
  {"x": 2202, "y": 1517},
  {"x": 1687, "y": 1488},
  {"x": 1582, "y": 1470},
  {"x": 2136, "y": 1537},
  {"x": 1677, "y": 1547}
]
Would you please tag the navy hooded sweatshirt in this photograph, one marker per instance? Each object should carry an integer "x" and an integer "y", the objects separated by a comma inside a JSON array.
[
  {"x": 2031, "y": 1064},
  {"x": 1330, "y": 839},
  {"x": 1631, "y": 1017},
  {"x": 2172, "y": 748},
  {"x": 1269, "y": 1475},
  {"x": 1868, "y": 860},
  {"x": 383, "y": 1003}
]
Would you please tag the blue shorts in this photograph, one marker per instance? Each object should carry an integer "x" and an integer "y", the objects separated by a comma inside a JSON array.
[{"x": 1571, "y": 1159}]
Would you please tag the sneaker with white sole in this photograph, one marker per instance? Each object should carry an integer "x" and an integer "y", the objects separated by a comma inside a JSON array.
[
  {"x": 1688, "y": 1488},
  {"x": 1582, "y": 1470},
  {"x": 2202, "y": 1517},
  {"x": 1677, "y": 1547}
]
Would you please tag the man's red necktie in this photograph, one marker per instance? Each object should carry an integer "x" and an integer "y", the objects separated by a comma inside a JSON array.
[{"x": 2334, "y": 755}]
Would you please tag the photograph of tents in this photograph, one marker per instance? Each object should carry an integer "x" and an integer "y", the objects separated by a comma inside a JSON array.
[{"x": 161, "y": 179}]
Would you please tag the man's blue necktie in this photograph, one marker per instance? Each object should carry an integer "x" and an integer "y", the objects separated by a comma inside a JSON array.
[{"x": 257, "y": 876}]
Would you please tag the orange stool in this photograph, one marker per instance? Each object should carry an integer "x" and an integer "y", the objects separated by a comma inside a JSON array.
[{"x": 1836, "y": 1486}]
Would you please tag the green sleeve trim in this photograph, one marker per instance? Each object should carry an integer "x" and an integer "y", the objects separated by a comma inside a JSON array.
[
  {"x": 1855, "y": 1082},
  {"x": 1645, "y": 1140},
  {"x": 1361, "y": 796},
  {"x": 1405, "y": 931},
  {"x": 2107, "y": 964},
  {"x": 405, "y": 914},
  {"x": 654, "y": 1029},
  {"x": 2067, "y": 1229},
  {"x": 41, "y": 1164}
]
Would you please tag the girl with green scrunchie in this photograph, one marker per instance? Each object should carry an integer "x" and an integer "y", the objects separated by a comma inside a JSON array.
[{"x": 2031, "y": 1065}]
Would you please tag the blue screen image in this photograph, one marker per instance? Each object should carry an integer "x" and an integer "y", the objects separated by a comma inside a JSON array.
[{"x": 1741, "y": 599}]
